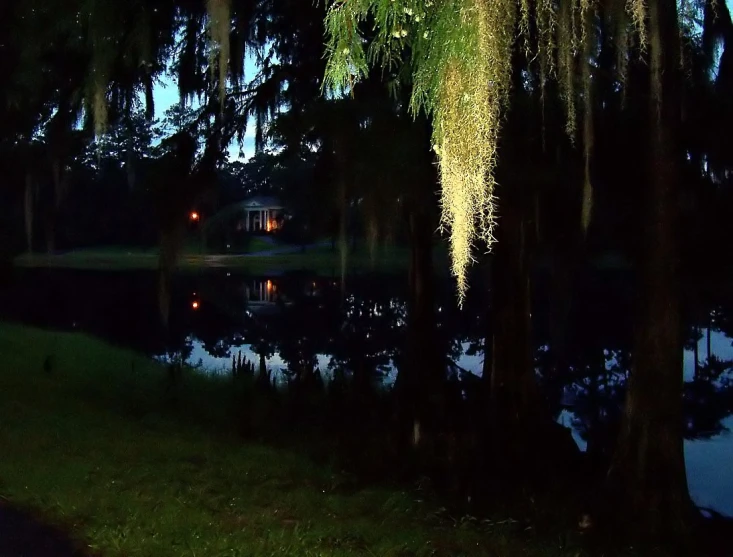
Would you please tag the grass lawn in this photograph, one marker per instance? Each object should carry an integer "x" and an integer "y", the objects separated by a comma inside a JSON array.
[
  {"x": 96, "y": 446},
  {"x": 319, "y": 259}
]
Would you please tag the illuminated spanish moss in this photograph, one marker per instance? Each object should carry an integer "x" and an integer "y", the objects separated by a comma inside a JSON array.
[
  {"x": 566, "y": 32},
  {"x": 637, "y": 9},
  {"x": 460, "y": 55},
  {"x": 467, "y": 122}
]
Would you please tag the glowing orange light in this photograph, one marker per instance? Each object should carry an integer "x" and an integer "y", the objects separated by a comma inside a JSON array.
[
  {"x": 195, "y": 305},
  {"x": 269, "y": 286},
  {"x": 268, "y": 226},
  {"x": 194, "y": 216}
]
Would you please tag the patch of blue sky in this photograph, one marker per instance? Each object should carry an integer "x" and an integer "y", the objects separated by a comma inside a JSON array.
[{"x": 166, "y": 96}]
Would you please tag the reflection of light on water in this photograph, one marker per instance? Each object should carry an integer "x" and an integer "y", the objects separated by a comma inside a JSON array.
[
  {"x": 708, "y": 475},
  {"x": 473, "y": 363},
  {"x": 720, "y": 346},
  {"x": 710, "y": 482},
  {"x": 216, "y": 365},
  {"x": 223, "y": 365},
  {"x": 566, "y": 418}
]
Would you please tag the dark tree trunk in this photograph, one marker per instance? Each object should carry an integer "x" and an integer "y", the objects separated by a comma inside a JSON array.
[
  {"x": 696, "y": 351},
  {"x": 521, "y": 433},
  {"x": 563, "y": 268},
  {"x": 59, "y": 192},
  {"x": 29, "y": 200},
  {"x": 131, "y": 168},
  {"x": 648, "y": 475},
  {"x": 343, "y": 247},
  {"x": 170, "y": 245},
  {"x": 419, "y": 381},
  {"x": 164, "y": 287},
  {"x": 51, "y": 232},
  {"x": 509, "y": 370}
]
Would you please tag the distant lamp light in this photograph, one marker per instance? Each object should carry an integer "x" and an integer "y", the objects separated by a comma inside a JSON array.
[
  {"x": 269, "y": 286},
  {"x": 195, "y": 305},
  {"x": 194, "y": 216}
]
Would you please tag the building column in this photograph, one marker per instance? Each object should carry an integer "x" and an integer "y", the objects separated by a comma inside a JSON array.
[{"x": 246, "y": 220}]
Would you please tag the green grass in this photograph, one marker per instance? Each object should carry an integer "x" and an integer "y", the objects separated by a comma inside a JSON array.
[
  {"x": 97, "y": 447},
  {"x": 257, "y": 243},
  {"x": 320, "y": 259}
]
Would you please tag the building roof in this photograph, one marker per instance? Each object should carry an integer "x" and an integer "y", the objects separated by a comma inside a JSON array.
[{"x": 262, "y": 201}]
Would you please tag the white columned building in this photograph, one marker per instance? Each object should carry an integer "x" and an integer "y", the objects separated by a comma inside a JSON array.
[{"x": 262, "y": 214}]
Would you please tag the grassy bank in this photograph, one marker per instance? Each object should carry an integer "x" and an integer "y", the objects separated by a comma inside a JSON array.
[
  {"x": 93, "y": 440},
  {"x": 321, "y": 259}
]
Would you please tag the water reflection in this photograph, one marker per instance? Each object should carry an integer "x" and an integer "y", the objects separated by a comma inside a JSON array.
[{"x": 299, "y": 326}]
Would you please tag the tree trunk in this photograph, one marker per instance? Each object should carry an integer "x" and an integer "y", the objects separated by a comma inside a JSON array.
[
  {"x": 51, "y": 232},
  {"x": 343, "y": 247},
  {"x": 696, "y": 351},
  {"x": 130, "y": 167},
  {"x": 520, "y": 430},
  {"x": 510, "y": 372},
  {"x": 562, "y": 275},
  {"x": 648, "y": 474},
  {"x": 170, "y": 242},
  {"x": 419, "y": 380},
  {"x": 28, "y": 210},
  {"x": 59, "y": 191}
]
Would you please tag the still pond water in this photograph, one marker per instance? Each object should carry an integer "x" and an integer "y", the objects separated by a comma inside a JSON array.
[{"x": 298, "y": 319}]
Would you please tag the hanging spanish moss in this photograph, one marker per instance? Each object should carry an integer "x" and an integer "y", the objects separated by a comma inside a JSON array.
[
  {"x": 103, "y": 27},
  {"x": 566, "y": 40},
  {"x": 655, "y": 41},
  {"x": 588, "y": 16},
  {"x": 546, "y": 21},
  {"x": 622, "y": 42},
  {"x": 99, "y": 107},
  {"x": 97, "y": 81},
  {"x": 456, "y": 48},
  {"x": 467, "y": 118},
  {"x": 637, "y": 9},
  {"x": 219, "y": 12},
  {"x": 524, "y": 18}
]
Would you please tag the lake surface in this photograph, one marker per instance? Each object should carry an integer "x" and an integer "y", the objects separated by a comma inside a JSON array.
[{"x": 300, "y": 320}]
